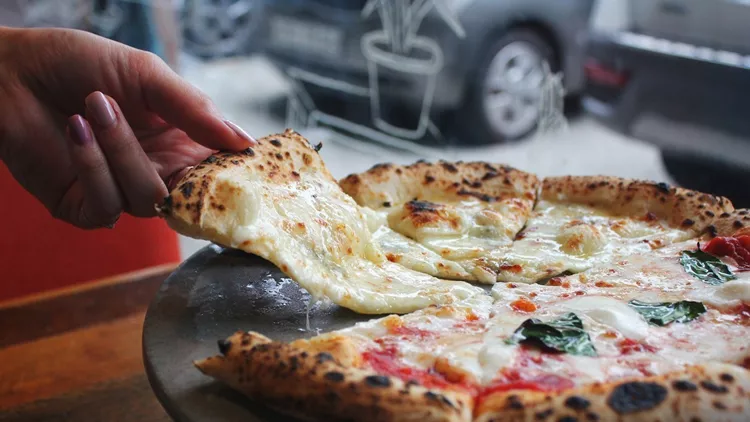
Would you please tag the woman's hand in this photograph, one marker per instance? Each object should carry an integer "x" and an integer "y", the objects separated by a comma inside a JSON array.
[{"x": 93, "y": 128}]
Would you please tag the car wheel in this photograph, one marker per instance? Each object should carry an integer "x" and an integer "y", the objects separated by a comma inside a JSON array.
[
  {"x": 218, "y": 28},
  {"x": 503, "y": 98},
  {"x": 701, "y": 174}
]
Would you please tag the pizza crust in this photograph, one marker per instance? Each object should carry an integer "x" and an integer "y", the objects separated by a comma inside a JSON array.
[
  {"x": 320, "y": 382},
  {"x": 731, "y": 223},
  {"x": 396, "y": 184},
  {"x": 711, "y": 392},
  {"x": 681, "y": 208}
]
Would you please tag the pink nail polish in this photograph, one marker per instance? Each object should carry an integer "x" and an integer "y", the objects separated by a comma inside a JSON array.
[
  {"x": 241, "y": 133},
  {"x": 79, "y": 130},
  {"x": 101, "y": 109}
]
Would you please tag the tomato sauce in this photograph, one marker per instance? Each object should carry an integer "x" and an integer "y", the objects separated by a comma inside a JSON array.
[
  {"x": 386, "y": 361},
  {"x": 736, "y": 248},
  {"x": 629, "y": 346},
  {"x": 513, "y": 379}
]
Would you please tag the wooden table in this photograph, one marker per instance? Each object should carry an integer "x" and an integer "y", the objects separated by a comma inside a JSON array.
[{"x": 75, "y": 355}]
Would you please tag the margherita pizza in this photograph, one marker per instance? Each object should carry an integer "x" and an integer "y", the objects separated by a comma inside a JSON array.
[{"x": 612, "y": 299}]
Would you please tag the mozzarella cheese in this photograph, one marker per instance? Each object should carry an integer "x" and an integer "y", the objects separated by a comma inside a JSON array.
[
  {"x": 460, "y": 229},
  {"x": 320, "y": 237},
  {"x": 561, "y": 238},
  {"x": 611, "y": 312}
]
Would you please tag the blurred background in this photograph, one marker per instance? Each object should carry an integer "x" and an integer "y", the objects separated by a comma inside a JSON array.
[{"x": 649, "y": 89}]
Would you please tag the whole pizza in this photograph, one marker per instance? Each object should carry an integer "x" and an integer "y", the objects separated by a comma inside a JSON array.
[{"x": 495, "y": 295}]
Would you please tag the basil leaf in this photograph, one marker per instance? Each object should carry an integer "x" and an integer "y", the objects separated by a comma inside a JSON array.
[
  {"x": 666, "y": 313},
  {"x": 565, "y": 335},
  {"x": 706, "y": 267}
]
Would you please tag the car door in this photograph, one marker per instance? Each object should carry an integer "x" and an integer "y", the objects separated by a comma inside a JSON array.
[
  {"x": 689, "y": 21},
  {"x": 734, "y": 24}
]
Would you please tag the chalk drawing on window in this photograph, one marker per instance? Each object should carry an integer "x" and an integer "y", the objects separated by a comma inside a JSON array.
[{"x": 395, "y": 50}]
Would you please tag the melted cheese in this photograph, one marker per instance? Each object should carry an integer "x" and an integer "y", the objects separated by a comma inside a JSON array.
[
  {"x": 562, "y": 238},
  {"x": 729, "y": 294},
  {"x": 611, "y": 312},
  {"x": 321, "y": 238}
]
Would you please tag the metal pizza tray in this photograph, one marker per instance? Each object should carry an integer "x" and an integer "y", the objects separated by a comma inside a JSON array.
[{"x": 213, "y": 294}]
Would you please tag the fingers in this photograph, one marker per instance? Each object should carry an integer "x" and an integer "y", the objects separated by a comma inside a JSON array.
[
  {"x": 134, "y": 172},
  {"x": 100, "y": 200},
  {"x": 185, "y": 107}
]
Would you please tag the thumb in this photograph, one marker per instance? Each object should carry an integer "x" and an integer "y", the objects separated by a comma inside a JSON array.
[{"x": 184, "y": 106}]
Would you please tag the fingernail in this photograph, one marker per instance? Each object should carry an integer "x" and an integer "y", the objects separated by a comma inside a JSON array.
[
  {"x": 79, "y": 130},
  {"x": 101, "y": 109},
  {"x": 241, "y": 133}
]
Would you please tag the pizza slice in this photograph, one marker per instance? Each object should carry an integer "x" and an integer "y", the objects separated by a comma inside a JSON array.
[
  {"x": 457, "y": 210},
  {"x": 580, "y": 221},
  {"x": 562, "y": 357},
  {"x": 391, "y": 369},
  {"x": 278, "y": 201}
]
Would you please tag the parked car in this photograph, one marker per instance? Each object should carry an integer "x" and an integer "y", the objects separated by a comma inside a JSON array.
[
  {"x": 676, "y": 73},
  {"x": 481, "y": 58}
]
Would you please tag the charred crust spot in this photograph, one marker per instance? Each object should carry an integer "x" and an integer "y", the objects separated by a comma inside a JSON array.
[
  {"x": 567, "y": 419},
  {"x": 544, "y": 414},
  {"x": 399, "y": 171},
  {"x": 324, "y": 357},
  {"x": 489, "y": 175},
  {"x": 304, "y": 355},
  {"x": 307, "y": 159},
  {"x": 167, "y": 205},
  {"x": 719, "y": 405},
  {"x": 429, "y": 179},
  {"x": 724, "y": 215},
  {"x": 275, "y": 142},
  {"x": 737, "y": 224},
  {"x": 387, "y": 204},
  {"x": 592, "y": 416},
  {"x": 450, "y": 168},
  {"x": 636, "y": 396},
  {"x": 577, "y": 403},
  {"x": 224, "y": 346},
  {"x": 684, "y": 385},
  {"x": 235, "y": 162},
  {"x": 447, "y": 402},
  {"x": 714, "y": 388},
  {"x": 726, "y": 377},
  {"x": 249, "y": 152},
  {"x": 187, "y": 189},
  {"x": 378, "y": 381},
  {"x": 687, "y": 222},
  {"x": 279, "y": 156},
  {"x": 295, "y": 174},
  {"x": 514, "y": 402},
  {"x": 318, "y": 147},
  {"x": 712, "y": 231},
  {"x": 210, "y": 159},
  {"x": 334, "y": 376},
  {"x": 663, "y": 187},
  {"x": 709, "y": 213},
  {"x": 421, "y": 161},
  {"x": 481, "y": 196},
  {"x": 416, "y": 206},
  {"x": 412, "y": 383}
]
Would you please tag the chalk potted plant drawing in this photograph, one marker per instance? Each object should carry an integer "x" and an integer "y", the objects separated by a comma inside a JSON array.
[{"x": 399, "y": 52}]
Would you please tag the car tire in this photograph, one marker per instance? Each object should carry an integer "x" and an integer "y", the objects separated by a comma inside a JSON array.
[
  {"x": 704, "y": 175},
  {"x": 203, "y": 36},
  {"x": 473, "y": 117}
]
